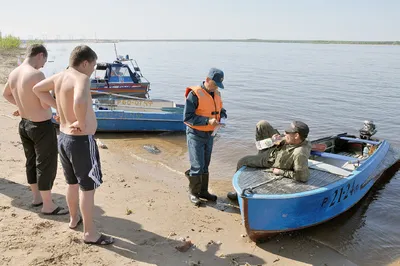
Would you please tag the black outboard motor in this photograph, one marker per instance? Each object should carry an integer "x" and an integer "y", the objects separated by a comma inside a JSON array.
[{"x": 368, "y": 130}]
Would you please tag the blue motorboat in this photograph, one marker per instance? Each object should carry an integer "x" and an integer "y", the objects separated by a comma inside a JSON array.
[
  {"x": 341, "y": 173},
  {"x": 118, "y": 77},
  {"x": 128, "y": 121},
  {"x": 121, "y": 113},
  {"x": 122, "y": 76}
]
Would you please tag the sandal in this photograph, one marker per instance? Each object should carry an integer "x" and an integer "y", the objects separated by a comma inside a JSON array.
[
  {"x": 57, "y": 211},
  {"x": 36, "y": 204},
  {"x": 103, "y": 240}
]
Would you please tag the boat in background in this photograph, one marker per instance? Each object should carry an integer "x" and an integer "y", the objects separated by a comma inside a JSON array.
[
  {"x": 121, "y": 113},
  {"x": 130, "y": 114},
  {"x": 122, "y": 76},
  {"x": 343, "y": 168}
]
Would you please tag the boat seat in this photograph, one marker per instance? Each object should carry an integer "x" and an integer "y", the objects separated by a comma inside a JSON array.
[
  {"x": 351, "y": 163},
  {"x": 317, "y": 165},
  {"x": 334, "y": 156},
  {"x": 349, "y": 166}
]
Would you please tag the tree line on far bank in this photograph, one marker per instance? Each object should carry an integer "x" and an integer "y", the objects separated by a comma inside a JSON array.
[{"x": 13, "y": 42}]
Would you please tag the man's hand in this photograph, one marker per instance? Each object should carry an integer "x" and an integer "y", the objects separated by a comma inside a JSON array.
[
  {"x": 57, "y": 118},
  {"x": 277, "y": 171},
  {"x": 16, "y": 113},
  {"x": 277, "y": 139},
  {"x": 213, "y": 122},
  {"x": 276, "y": 136},
  {"x": 76, "y": 127}
]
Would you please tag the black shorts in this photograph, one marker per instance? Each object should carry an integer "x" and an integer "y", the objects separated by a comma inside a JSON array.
[
  {"x": 80, "y": 160},
  {"x": 39, "y": 140}
]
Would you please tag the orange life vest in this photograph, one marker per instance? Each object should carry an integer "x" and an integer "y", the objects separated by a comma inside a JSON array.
[{"x": 208, "y": 106}]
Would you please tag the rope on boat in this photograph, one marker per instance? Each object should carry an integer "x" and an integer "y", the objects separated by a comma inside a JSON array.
[{"x": 250, "y": 189}]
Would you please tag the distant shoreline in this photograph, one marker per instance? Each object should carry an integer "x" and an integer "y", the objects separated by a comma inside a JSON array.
[{"x": 220, "y": 40}]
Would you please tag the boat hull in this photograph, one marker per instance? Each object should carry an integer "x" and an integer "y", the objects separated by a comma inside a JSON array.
[
  {"x": 265, "y": 215},
  {"x": 123, "y": 121},
  {"x": 127, "y": 121}
]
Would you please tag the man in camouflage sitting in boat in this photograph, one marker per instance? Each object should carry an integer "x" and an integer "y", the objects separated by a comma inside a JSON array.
[{"x": 287, "y": 157}]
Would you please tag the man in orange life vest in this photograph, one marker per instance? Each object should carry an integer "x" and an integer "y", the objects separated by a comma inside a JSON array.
[{"x": 203, "y": 112}]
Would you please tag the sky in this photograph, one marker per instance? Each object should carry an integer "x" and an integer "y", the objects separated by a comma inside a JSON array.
[{"x": 359, "y": 20}]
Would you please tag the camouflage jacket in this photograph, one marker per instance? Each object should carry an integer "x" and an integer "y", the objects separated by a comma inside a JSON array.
[{"x": 292, "y": 159}]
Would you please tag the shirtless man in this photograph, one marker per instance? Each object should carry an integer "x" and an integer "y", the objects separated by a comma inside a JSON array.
[
  {"x": 38, "y": 135},
  {"x": 76, "y": 145}
]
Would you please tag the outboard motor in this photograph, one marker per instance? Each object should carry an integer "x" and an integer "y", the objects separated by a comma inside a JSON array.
[{"x": 368, "y": 130}]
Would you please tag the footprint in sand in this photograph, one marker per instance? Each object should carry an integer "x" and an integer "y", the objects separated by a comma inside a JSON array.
[{"x": 37, "y": 228}]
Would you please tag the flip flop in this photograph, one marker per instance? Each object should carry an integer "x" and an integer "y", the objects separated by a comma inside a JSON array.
[
  {"x": 57, "y": 211},
  {"x": 78, "y": 223},
  {"x": 102, "y": 241},
  {"x": 36, "y": 204}
]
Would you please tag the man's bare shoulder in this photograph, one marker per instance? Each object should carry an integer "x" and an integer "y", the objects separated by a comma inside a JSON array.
[
  {"x": 82, "y": 77},
  {"x": 17, "y": 72},
  {"x": 14, "y": 72},
  {"x": 65, "y": 76},
  {"x": 25, "y": 68},
  {"x": 58, "y": 76},
  {"x": 28, "y": 73},
  {"x": 70, "y": 79},
  {"x": 38, "y": 74},
  {"x": 79, "y": 78}
]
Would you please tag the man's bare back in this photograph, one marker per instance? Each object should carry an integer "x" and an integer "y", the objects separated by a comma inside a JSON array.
[
  {"x": 74, "y": 102},
  {"x": 20, "y": 84}
]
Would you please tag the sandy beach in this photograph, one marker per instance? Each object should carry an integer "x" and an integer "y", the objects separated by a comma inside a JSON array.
[
  {"x": 144, "y": 206},
  {"x": 8, "y": 60}
]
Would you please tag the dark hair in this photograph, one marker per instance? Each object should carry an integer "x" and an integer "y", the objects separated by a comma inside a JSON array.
[
  {"x": 81, "y": 53},
  {"x": 35, "y": 49},
  {"x": 302, "y": 137}
]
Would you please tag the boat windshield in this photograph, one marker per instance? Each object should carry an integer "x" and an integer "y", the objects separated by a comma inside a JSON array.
[{"x": 119, "y": 71}]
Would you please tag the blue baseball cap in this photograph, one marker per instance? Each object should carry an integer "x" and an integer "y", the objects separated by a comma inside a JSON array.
[{"x": 217, "y": 75}]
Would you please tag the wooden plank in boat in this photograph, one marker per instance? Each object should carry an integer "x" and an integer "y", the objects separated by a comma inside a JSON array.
[{"x": 317, "y": 165}]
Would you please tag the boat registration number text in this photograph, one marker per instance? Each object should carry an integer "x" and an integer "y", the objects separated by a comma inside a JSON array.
[
  {"x": 340, "y": 194},
  {"x": 135, "y": 103}
]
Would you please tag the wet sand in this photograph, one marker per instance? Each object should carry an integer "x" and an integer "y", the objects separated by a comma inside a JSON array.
[{"x": 144, "y": 205}]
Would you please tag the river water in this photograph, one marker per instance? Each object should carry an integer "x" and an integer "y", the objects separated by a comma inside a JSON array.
[{"x": 333, "y": 88}]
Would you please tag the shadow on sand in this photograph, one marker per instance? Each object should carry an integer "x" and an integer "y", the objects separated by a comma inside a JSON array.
[{"x": 131, "y": 239}]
